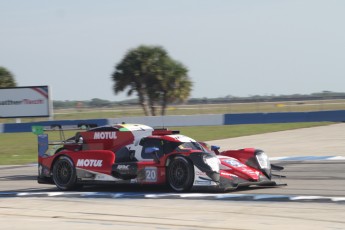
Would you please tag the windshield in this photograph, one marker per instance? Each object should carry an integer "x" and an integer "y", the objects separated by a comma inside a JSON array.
[
  {"x": 166, "y": 147},
  {"x": 187, "y": 146}
]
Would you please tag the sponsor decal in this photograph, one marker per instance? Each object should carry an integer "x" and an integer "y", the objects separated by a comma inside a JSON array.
[
  {"x": 100, "y": 177},
  {"x": 34, "y": 101},
  {"x": 182, "y": 138},
  {"x": 89, "y": 163},
  {"x": 202, "y": 182},
  {"x": 22, "y": 102},
  {"x": 228, "y": 174},
  {"x": 104, "y": 135},
  {"x": 150, "y": 174},
  {"x": 234, "y": 163},
  {"x": 249, "y": 171},
  {"x": 10, "y": 102},
  {"x": 123, "y": 167},
  {"x": 40, "y": 170},
  {"x": 199, "y": 173},
  {"x": 46, "y": 171}
]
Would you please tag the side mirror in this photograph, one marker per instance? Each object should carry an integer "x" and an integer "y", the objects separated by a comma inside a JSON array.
[
  {"x": 154, "y": 152},
  {"x": 215, "y": 149}
]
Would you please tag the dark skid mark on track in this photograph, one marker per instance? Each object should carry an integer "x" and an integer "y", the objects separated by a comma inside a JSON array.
[
  {"x": 18, "y": 178},
  {"x": 316, "y": 178},
  {"x": 14, "y": 167}
]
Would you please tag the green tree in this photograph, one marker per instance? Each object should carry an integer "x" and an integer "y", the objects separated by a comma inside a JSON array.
[
  {"x": 178, "y": 87},
  {"x": 6, "y": 78},
  {"x": 96, "y": 102},
  {"x": 173, "y": 85},
  {"x": 157, "y": 79}
]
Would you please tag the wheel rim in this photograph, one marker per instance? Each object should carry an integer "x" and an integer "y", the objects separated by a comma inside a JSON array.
[
  {"x": 178, "y": 174},
  {"x": 63, "y": 172}
]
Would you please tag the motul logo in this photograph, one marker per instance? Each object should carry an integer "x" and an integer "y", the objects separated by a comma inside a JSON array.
[
  {"x": 89, "y": 163},
  {"x": 105, "y": 135}
]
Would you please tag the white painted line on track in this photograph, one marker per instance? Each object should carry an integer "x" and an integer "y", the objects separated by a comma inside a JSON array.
[
  {"x": 308, "y": 158},
  {"x": 188, "y": 196}
]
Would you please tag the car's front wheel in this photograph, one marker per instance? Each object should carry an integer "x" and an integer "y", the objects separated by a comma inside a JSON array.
[
  {"x": 64, "y": 174},
  {"x": 180, "y": 174}
]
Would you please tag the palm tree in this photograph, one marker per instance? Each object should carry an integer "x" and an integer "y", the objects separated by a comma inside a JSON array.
[
  {"x": 176, "y": 86},
  {"x": 133, "y": 71},
  {"x": 154, "y": 76},
  {"x": 6, "y": 78}
]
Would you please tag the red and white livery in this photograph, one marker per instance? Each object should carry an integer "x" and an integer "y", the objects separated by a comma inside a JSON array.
[{"x": 134, "y": 153}]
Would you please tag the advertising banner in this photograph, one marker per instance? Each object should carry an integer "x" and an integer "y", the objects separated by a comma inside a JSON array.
[{"x": 31, "y": 101}]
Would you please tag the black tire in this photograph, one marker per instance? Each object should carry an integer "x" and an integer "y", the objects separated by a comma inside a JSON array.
[
  {"x": 64, "y": 174},
  {"x": 180, "y": 175}
]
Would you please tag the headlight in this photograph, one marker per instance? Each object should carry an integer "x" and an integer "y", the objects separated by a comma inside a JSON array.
[
  {"x": 211, "y": 161},
  {"x": 263, "y": 160}
]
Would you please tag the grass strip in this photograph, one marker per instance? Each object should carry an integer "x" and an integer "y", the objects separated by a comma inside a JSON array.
[{"x": 21, "y": 148}]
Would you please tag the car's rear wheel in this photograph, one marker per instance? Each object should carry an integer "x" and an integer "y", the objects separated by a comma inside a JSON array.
[
  {"x": 180, "y": 174},
  {"x": 64, "y": 174}
]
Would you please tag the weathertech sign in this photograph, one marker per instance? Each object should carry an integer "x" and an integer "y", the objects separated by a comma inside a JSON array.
[{"x": 24, "y": 102}]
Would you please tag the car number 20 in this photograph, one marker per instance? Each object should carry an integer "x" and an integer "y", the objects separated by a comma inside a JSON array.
[{"x": 151, "y": 174}]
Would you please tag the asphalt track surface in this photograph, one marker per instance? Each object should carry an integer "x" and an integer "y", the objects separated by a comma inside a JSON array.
[{"x": 313, "y": 199}]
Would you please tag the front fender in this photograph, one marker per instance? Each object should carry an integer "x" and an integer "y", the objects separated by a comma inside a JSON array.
[
  {"x": 248, "y": 157},
  {"x": 198, "y": 161}
]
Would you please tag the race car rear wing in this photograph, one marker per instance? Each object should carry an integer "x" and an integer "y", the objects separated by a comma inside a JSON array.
[
  {"x": 47, "y": 147},
  {"x": 38, "y": 129}
]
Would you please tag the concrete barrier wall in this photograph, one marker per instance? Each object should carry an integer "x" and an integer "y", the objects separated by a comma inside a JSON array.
[
  {"x": 194, "y": 120},
  {"x": 264, "y": 118},
  {"x": 26, "y": 127},
  {"x": 166, "y": 121}
]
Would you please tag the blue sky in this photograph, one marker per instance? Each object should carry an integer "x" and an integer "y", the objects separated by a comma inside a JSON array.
[{"x": 238, "y": 48}]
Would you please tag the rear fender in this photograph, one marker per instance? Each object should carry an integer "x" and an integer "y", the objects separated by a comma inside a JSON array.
[
  {"x": 100, "y": 161},
  {"x": 109, "y": 140}
]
